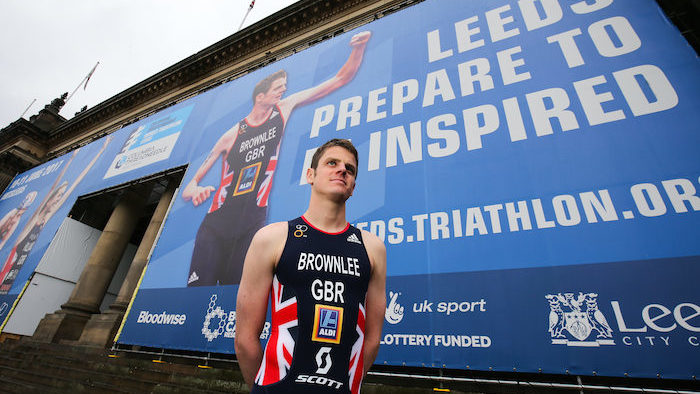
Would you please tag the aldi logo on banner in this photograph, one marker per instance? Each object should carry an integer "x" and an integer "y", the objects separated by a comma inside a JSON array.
[
  {"x": 247, "y": 179},
  {"x": 573, "y": 320},
  {"x": 328, "y": 322}
]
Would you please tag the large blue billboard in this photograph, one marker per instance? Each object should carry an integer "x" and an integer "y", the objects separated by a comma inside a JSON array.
[{"x": 531, "y": 167}]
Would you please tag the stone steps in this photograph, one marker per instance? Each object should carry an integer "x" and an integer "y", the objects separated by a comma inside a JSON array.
[
  {"x": 27, "y": 366},
  {"x": 13, "y": 386}
]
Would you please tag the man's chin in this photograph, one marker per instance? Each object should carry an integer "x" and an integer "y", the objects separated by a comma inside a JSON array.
[{"x": 340, "y": 195}]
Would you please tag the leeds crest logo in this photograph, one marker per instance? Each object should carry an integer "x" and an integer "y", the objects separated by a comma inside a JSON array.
[{"x": 579, "y": 317}]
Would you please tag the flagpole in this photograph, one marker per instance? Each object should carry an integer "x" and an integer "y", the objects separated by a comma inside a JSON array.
[
  {"x": 84, "y": 80},
  {"x": 252, "y": 3},
  {"x": 30, "y": 105}
]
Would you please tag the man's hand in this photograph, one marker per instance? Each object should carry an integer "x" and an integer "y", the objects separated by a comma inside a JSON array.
[
  {"x": 360, "y": 39},
  {"x": 198, "y": 194},
  {"x": 107, "y": 139}
]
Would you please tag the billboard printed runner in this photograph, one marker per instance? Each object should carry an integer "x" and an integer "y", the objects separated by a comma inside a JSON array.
[
  {"x": 531, "y": 166},
  {"x": 249, "y": 153},
  {"x": 59, "y": 192}
]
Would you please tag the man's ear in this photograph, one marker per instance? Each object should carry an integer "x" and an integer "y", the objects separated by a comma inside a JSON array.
[
  {"x": 257, "y": 98},
  {"x": 310, "y": 176}
]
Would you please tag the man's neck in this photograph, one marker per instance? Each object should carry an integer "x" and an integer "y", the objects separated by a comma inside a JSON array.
[
  {"x": 326, "y": 215},
  {"x": 259, "y": 113}
]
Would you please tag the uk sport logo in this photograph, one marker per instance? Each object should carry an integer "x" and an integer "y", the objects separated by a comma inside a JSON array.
[{"x": 574, "y": 319}]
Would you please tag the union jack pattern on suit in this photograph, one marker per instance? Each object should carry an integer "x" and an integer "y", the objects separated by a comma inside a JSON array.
[
  {"x": 220, "y": 195},
  {"x": 357, "y": 354},
  {"x": 266, "y": 185},
  {"x": 280, "y": 347}
]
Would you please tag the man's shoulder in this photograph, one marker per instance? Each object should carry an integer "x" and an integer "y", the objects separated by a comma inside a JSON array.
[
  {"x": 376, "y": 251},
  {"x": 372, "y": 242},
  {"x": 287, "y": 104},
  {"x": 273, "y": 231},
  {"x": 230, "y": 135},
  {"x": 269, "y": 241}
]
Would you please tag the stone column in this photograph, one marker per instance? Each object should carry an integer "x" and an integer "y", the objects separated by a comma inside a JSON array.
[
  {"x": 68, "y": 322},
  {"x": 101, "y": 328}
]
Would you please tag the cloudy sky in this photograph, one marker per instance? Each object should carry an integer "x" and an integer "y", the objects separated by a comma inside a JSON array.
[{"x": 49, "y": 46}]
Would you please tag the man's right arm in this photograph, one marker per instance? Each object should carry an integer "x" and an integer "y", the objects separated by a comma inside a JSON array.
[
  {"x": 5, "y": 221},
  {"x": 84, "y": 172},
  {"x": 251, "y": 303},
  {"x": 347, "y": 72},
  {"x": 193, "y": 191},
  {"x": 6, "y": 227}
]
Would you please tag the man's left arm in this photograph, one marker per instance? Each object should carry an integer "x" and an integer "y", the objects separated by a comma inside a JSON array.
[
  {"x": 375, "y": 304},
  {"x": 346, "y": 73}
]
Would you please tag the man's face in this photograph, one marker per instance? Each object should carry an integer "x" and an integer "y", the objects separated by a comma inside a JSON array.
[
  {"x": 17, "y": 216},
  {"x": 53, "y": 202},
  {"x": 335, "y": 174},
  {"x": 274, "y": 94}
]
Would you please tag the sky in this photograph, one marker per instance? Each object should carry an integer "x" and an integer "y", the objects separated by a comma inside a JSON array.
[{"x": 49, "y": 46}]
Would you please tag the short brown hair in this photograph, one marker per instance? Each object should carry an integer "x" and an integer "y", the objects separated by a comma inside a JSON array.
[
  {"x": 264, "y": 85},
  {"x": 343, "y": 143}
]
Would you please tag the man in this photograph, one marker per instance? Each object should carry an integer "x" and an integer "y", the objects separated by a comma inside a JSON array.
[
  {"x": 9, "y": 222},
  {"x": 249, "y": 152},
  {"x": 327, "y": 283}
]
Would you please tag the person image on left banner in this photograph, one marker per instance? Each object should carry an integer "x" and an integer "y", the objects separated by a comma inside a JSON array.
[
  {"x": 9, "y": 222},
  {"x": 59, "y": 192}
]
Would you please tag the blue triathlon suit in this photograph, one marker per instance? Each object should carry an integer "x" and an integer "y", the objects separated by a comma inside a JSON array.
[
  {"x": 318, "y": 313},
  {"x": 239, "y": 206}
]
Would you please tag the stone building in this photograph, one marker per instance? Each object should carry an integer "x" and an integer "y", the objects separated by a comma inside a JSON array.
[{"x": 127, "y": 212}]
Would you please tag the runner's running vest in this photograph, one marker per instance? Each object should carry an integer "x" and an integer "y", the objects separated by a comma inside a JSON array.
[
  {"x": 318, "y": 313},
  {"x": 248, "y": 169},
  {"x": 17, "y": 257}
]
